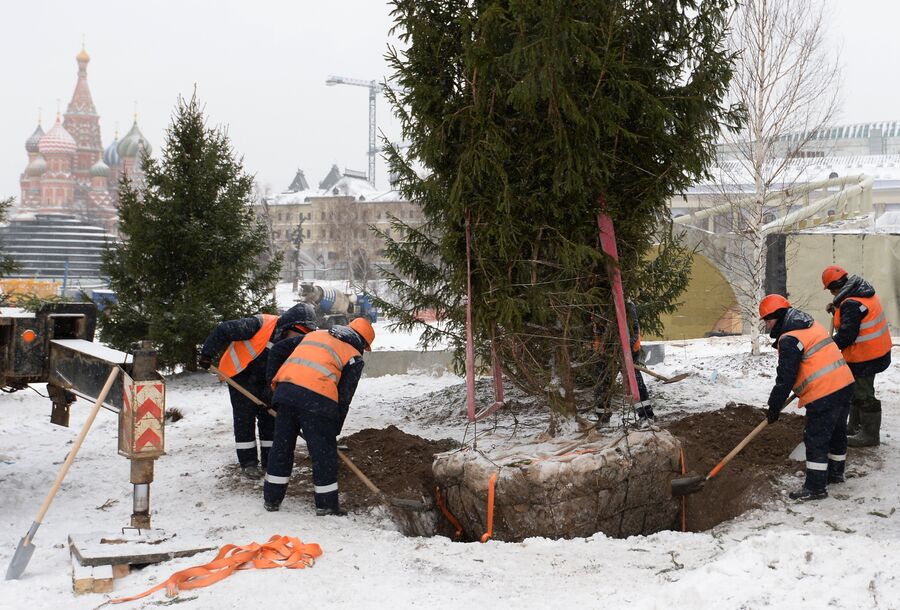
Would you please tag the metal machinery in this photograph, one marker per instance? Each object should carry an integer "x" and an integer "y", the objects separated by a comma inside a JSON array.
[
  {"x": 334, "y": 307},
  {"x": 55, "y": 345}
]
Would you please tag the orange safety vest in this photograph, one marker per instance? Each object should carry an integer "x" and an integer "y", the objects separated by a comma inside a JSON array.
[
  {"x": 316, "y": 364},
  {"x": 874, "y": 338},
  {"x": 822, "y": 369},
  {"x": 241, "y": 353}
]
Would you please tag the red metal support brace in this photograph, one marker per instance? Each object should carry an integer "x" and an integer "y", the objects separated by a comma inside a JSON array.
[{"x": 608, "y": 245}]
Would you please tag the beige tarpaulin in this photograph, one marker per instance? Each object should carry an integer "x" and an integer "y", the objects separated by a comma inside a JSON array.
[{"x": 876, "y": 257}]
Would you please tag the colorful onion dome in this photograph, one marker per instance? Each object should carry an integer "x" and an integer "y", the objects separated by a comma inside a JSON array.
[
  {"x": 132, "y": 143},
  {"x": 37, "y": 167},
  {"x": 31, "y": 144},
  {"x": 100, "y": 169},
  {"x": 111, "y": 154},
  {"x": 57, "y": 141}
]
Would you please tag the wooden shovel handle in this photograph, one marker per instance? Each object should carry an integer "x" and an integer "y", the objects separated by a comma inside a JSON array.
[
  {"x": 359, "y": 473},
  {"x": 77, "y": 444},
  {"x": 744, "y": 442},
  {"x": 738, "y": 449},
  {"x": 241, "y": 389},
  {"x": 644, "y": 369}
]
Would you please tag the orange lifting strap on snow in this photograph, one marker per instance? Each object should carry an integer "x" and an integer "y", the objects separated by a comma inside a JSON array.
[
  {"x": 490, "y": 509},
  {"x": 278, "y": 552},
  {"x": 453, "y": 520}
]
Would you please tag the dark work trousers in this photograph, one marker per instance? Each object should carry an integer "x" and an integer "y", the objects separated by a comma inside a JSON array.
[
  {"x": 825, "y": 437},
  {"x": 247, "y": 417},
  {"x": 601, "y": 402},
  {"x": 320, "y": 433},
  {"x": 643, "y": 394}
]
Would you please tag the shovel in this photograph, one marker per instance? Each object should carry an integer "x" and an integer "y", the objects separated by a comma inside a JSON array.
[
  {"x": 689, "y": 485},
  {"x": 413, "y": 505},
  {"x": 662, "y": 378},
  {"x": 26, "y": 549}
]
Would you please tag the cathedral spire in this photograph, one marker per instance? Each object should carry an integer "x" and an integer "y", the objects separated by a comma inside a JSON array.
[{"x": 82, "y": 102}]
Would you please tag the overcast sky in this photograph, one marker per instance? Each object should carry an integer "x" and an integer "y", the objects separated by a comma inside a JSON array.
[{"x": 260, "y": 68}]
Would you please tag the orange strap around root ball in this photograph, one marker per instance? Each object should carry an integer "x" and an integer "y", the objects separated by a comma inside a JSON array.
[{"x": 278, "y": 552}]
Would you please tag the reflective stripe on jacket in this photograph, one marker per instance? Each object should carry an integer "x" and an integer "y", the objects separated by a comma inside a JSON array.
[
  {"x": 241, "y": 353},
  {"x": 316, "y": 364},
  {"x": 874, "y": 338},
  {"x": 822, "y": 369}
]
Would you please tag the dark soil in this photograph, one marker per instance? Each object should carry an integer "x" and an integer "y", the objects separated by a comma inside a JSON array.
[
  {"x": 399, "y": 464},
  {"x": 749, "y": 479}
]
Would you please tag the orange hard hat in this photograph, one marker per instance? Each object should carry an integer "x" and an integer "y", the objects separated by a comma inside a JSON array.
[
  {"x": 832, "y": 274},
  {"x": 772, "y": 303},
  {"x": 364, "y": 328}
]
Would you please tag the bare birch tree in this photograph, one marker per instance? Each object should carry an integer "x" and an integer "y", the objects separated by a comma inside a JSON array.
[{"x": 787, "y": 77}]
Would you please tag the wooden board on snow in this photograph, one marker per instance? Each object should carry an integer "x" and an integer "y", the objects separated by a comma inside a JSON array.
[{"x": 132, "y": 547}]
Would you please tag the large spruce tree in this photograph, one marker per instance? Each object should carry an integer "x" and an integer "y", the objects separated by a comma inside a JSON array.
[
  {"x": 192, "y": 252},
  {"x": 527, "y": 116}
]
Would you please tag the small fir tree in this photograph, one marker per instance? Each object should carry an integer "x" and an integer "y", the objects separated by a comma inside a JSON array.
[
  {"x": 527, "y": 117},
  {"x": 192, "y": 251}
]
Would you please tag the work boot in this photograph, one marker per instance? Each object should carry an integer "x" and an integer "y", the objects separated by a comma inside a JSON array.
[
  {"x": 644, "y": 411},
  {"x": 853, "y": 420},
  {"x": 324, "y": 512},
  {"x": 835, "y": 471},
  {"x": 603, "y": 415},
  {"x": 869, "y": 430},
  {"x": 805, "y": 494},
  {"x": 253, "y": 472},
  {"x": 272, "y": 508}
]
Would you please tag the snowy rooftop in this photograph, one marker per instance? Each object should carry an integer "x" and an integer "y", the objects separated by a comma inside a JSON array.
[
  {"x": 351, "y": 186},
  {"x": 735, "y": 175}
]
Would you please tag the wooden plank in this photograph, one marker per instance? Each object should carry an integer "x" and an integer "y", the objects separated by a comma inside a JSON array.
[{"x": 131, "y": 547}]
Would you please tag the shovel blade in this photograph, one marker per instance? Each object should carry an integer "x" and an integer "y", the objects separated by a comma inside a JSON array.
[
  {"x": 687, "y": 485},
  {"x": 20, "y": 559},
  {"x": 413, "y": 505},
  {"x": 677, "y": 378}
]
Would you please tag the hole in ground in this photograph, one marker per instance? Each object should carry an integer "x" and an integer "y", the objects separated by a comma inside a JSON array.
[
  {"x": 749, "y": 479},
  {"x": 400, "y": 465}
]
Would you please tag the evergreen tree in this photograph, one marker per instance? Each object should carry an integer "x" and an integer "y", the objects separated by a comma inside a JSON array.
[
  {"x": 7, "y": 263},
  {"x": 528, "y": 116},
  {"x": 192, "y": 251}
]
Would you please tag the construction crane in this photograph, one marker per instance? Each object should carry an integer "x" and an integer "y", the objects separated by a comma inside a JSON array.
[{"x": 375, "y": 88}]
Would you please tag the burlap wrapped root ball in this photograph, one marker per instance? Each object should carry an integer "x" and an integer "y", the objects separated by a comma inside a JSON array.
[{"x": 619, "y": 485}]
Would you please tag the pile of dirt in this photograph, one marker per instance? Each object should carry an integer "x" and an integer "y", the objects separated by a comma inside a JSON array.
[
  {"x": 749, "y": 479},
  {"x": 396, "y": 462}
]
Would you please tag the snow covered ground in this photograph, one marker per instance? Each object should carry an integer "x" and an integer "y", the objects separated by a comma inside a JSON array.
[{"x": 843, "y": 552}]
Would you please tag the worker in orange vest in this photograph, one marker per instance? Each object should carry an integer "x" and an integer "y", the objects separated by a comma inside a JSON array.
[
  {"x": 810, "y": 364},
  {"x": 244, "y": 345},
  {"x": 314, "y": 379},
  {"x": 862, "y": 334}
]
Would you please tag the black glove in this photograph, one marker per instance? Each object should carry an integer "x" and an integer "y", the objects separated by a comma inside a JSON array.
[
  {"x": 830, "y": 308},
  {"x": 772, "y": 415},
  {"x": 204, "y": 361}
]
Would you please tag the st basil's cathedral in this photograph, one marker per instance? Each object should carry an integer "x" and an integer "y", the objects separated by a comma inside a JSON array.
[{"x": 69, "y": 171}]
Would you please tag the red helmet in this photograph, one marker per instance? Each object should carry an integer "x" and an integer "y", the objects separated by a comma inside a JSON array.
[
  {"x": 832, "y": 274},
  {"x": 772, "y": 303},
  {"x": 364, "y": 328}
]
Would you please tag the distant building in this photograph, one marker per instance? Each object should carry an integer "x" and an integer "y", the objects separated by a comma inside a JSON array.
[
  {"x": 68, "y": 170},
  {"x": 335, "y": 221}
]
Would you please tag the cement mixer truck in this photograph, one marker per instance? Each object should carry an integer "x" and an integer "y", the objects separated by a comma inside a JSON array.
[{"x": 334, "y": 307}]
